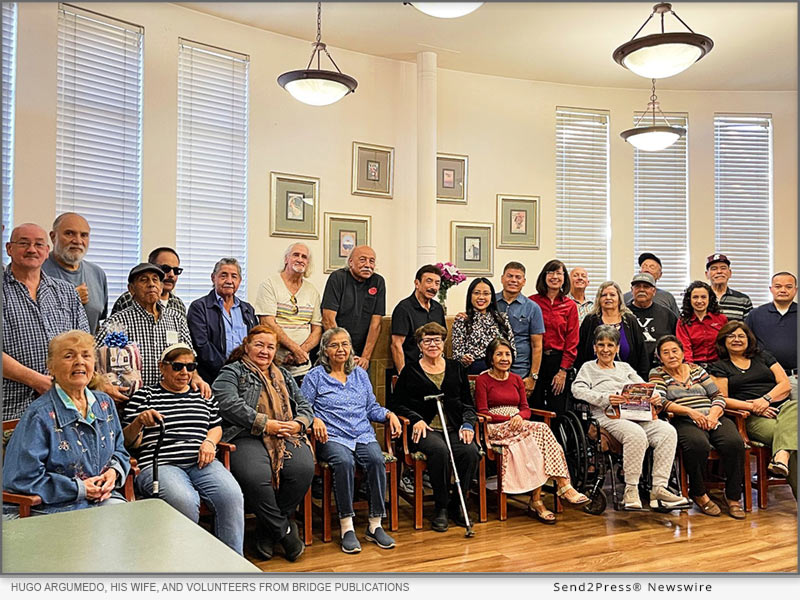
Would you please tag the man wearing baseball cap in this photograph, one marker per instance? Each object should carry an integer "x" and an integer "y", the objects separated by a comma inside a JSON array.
[
  {"x": 650, "y": 263},
  {"x": 654, "y": 319},
  {"x": 734, "y": 305}
]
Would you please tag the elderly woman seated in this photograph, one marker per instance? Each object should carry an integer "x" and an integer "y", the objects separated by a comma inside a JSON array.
[
  {"x": 534, "y": 455},
  {"x": 266, "y": 416},
  {"x": 188, "y": 468},
  {"x": 68, "y": 446},
  {"x": 341, "y": 395},
  {"x": 433, "y": 375},
  {"x": 600, "y": 383},
  {"x": 698, "y": 405}
]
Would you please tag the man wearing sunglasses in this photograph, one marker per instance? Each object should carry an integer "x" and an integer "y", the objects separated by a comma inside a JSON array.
[{"x": 170, "y": 262}]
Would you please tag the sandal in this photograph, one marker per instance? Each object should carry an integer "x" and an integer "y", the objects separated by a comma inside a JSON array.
[
  {"x": 710, "y": 508},
  {"x": 576, "y": 498},
  {"x": 736, "y": 511},
  {"x": 538, "y": 511},
  {"x": 778, "y": 469}
]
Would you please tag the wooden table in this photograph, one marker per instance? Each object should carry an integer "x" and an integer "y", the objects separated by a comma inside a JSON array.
[{"x": 146, "y": 536}]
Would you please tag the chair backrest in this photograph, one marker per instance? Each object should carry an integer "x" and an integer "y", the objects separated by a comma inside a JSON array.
[{"x": 8, "y": 429}]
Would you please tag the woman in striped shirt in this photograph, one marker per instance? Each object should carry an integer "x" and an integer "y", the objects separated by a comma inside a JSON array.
[
  {"x": 188, "y": 469},
  {"x": 698, "y": 405}
]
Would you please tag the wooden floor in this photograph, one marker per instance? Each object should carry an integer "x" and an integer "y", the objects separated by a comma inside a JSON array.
[{"x": 615, "y": 541}]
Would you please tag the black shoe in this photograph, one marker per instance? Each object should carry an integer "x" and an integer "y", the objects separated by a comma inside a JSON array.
[
  {"x": 440, "y": 522},
  {"x": 265, "y": 546},
  {"x": 458, "y": 518},
  {"x": 293, "y": 546}
]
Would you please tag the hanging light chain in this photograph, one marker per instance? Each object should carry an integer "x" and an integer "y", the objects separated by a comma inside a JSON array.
[
  {"x": 319, "y": 47},
  {"x": 319, "y": 21},
  {"x": 662, "y": 9}
]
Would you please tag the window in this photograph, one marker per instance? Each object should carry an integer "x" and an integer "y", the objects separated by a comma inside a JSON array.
[
  {"x": 9, "y": 49},
  {"x": 212, "y": 162},
  {"x": 743, "y": 195},
  {"x": 661, "y": 208},
  {"x": 99, "y": 135},
  {"x": 583, "y": 230}
]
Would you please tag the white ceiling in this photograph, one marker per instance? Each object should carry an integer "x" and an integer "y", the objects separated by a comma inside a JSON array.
[{"x": 755, "y": 44}]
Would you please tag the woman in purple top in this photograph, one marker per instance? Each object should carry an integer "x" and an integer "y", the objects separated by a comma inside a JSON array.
[{"x": 341, "y": 395}]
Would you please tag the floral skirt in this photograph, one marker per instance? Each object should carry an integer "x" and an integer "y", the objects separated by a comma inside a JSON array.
[{"x": 532, "y": 455}]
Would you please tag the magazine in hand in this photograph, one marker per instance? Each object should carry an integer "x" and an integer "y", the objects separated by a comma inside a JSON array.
[{"x": 637, "y": 405}]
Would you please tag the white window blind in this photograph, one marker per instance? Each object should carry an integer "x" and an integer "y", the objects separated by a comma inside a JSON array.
[
  {"x": 661, "y": 208},
  {"x": 583, "y": 228},
  {"x": 212, "y": 162},
  {"x": 743, "y": 194},
  {"x": 99, "y": 135},
  {"x": 9, "y": 66}
]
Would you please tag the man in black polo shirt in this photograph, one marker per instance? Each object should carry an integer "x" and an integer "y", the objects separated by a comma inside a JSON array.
[
  {"x": 355, "y": 299},
  {"x": 654, "y": 319},
  {"x": 414, "y": 312}
]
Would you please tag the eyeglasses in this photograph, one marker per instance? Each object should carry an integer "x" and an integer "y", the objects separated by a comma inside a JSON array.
[
  {"x": 295, "y": 308},
  {"x": 179, "y": 366},
  {"x": 432, "y": 341},
  {"x": 168, "y": 268},
  {"x": 337, "y": 345},
  {"x": 737, "y": 336},
  {"x": 27, "y": 244}
]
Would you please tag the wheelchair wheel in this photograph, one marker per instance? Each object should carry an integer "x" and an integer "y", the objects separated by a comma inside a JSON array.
[
  {"x": 598, "y": 504},
  {"x": 569, "y": 431}
]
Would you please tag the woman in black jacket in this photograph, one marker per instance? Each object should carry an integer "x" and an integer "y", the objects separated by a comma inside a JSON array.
[
  {"x": 433, "y": 374},
  {"x": 609, "y": 309}
]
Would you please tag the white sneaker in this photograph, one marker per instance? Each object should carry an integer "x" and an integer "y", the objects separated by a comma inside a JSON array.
[
  {"x": 631, "y": 500},
  {"x": 661, "y": 499}
]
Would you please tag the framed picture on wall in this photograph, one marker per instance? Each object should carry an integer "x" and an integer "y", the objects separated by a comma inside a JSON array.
[
  {"x": 472, "y": 247},
  {"x": 451, "y": 178},
  {"x": 342, "y": 234},
  {"x": 517, "y": 221},
  {"x": 294, "y": 206},
  {"x": 373, "y": 170}
]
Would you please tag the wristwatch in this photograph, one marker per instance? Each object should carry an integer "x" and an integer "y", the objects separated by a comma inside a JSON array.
[
  {"x": 767, "y": 397},
  {"x": 534, "y": 376}
]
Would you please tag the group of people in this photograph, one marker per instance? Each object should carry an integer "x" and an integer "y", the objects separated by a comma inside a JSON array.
[{"x": 285, "y": 380}]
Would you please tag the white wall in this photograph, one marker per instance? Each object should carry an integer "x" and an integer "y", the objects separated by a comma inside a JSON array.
[{"x": 506, "y": 126}]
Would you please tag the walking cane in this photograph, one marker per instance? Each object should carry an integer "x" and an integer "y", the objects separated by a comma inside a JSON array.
[
  {"x": 438, "y": 398},
  {"x": 162, "y": 431}
]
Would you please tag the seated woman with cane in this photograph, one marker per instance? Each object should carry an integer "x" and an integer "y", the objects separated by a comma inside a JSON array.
[
  {"x": 533, "y": 454},
  {"x": 187, "y": 465},
  {"x": 432, "y": 375}
]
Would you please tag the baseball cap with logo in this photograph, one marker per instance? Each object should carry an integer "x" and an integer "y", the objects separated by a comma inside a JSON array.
[
  {"x": 643, "y": 278},
  {"x": 714, "y": 258}
]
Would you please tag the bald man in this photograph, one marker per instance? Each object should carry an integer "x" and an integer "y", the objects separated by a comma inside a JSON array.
[
  {"x": 70, "y": 238},
  {"x": 36, "y": 308},
  {"x": 355, "y": 298}
]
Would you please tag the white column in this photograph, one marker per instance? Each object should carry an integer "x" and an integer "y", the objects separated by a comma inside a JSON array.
[{"x": 426, "y": 158}]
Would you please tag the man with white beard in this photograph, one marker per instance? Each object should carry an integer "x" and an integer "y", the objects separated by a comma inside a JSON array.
[{"x": 70, "y": 237}]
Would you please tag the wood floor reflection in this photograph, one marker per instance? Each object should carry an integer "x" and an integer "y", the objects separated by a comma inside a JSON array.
[{"x": 615, "y": 541}]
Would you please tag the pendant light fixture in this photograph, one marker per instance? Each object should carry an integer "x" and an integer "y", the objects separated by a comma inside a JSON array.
[
  {"x": 663, "y": 54},
  {"x": 446, "y": 10},
  {"x": 653, "y": 137},
  {"x": 318, "y": 87}
]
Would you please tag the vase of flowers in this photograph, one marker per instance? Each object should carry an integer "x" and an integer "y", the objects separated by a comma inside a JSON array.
[{"x": 450, "y": 276}]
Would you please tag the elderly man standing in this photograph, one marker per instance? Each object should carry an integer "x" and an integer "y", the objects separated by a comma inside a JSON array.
[
  {"x": 734, "y": 305},
  {"x": 36, "y": 308},
  {"x": 151, "y": 325},
  {"x": 579, "y": 281},
  {"x": 290, "y": 304},
  {"x": 355, "y": 299},
  {"x": 70, "y": 237},
  {"x": 170, "y": 262},
  {"x": 650, "y": 263},
  {"x": 219, "y": 320},
  {"x": 654, "y": 319}
]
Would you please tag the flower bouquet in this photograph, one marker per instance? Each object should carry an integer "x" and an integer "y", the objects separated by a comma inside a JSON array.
[
  {"x": 450, "y": 276},
  {"x": 120, "y": 363}
]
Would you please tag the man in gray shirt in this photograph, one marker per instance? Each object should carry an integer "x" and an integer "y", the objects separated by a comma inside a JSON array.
[{"x": 70, "y": 237}]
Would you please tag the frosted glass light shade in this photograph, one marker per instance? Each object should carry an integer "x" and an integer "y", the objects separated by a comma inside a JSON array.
[
  {"x": 652, "y": 139},
  {"x": 317, "y": 87},
  {"x": 662, "y": 54},
  {"x": 446, "y": 10}
]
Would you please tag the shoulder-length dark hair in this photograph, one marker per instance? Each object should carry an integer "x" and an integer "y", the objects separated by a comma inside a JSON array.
[
  {"x": 492, "y": 308},
  {"x": 687, "y": 312},
  {"x": 541, "y": 280},
  {"x": 729, "y": 328}
]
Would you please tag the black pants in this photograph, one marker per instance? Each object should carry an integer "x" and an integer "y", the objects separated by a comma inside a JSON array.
[
  {"x": 251, "y": 467},
  {"x": 696, "y": 443},
  {"x": 466, "y": 456},
  {"x": 543, "y": 397}
]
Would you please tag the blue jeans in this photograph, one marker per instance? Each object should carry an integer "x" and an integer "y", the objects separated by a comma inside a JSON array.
[
  {"x": 183, "y": 487},
  {"x": 343, "y": 463}
]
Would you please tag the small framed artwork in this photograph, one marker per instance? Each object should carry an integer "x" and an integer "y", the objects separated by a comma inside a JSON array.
[
  {"x": 451, "y": 178},
  {"x": 294, "y": 206},
  {"x": 471, "y": 247},
  {"x": 342, "y": 234},
  {"x": 517, "y": 221},
  {"x": 373, "y": 170}
]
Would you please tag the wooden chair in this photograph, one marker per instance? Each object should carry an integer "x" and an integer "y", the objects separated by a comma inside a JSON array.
[
  {"x": 326, "y": 504},
  {"x": 27, "y": 501},
  {"x": 224, "y": 450},
  {"x": 764, "y": 479},
  {"x": 716, "y": 482}
]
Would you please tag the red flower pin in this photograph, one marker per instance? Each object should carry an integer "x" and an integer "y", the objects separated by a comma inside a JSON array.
[{"x": 372, "y": 291}]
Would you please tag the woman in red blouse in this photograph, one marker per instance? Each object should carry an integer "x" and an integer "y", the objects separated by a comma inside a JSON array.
[
  {"x": 532, "y": 453},
  {"x": 699, "y": 324},
  {"x": 561, "y": 334}
]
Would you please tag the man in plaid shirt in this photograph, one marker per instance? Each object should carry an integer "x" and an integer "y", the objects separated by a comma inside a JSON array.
[{"x": 36, "y": 308}]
